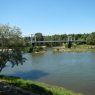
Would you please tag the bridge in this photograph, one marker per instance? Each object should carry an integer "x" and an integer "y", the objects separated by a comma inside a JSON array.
[{"x": 64, "y": 41}]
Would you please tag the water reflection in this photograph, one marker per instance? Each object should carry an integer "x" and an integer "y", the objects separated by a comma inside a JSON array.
[
  {"x": 31, "y": 75},
  {"x": 7, "y": 66}
]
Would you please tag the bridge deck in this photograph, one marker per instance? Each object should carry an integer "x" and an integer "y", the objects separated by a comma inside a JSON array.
[{"x": 56, "y": 41}]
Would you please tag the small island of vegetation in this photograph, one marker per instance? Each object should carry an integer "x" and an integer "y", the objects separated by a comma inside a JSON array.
[{"x": 35, "y": 49}]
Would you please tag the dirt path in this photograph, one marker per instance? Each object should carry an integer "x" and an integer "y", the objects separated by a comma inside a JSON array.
[{"x": 6, "y": 89}]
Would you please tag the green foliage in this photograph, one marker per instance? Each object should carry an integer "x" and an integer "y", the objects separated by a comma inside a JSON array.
[
  {"x": 77, "y": 36},
  {"x": 79, "y": 43},
  {"x": 57, "y": 49},
  {"x": 74, "y": 45},
  {"x": 64, "y": 37},
  {"x": 55, "y": 38},
  {"x": 35, "y": 49},
  {"x": 10, "y": 38},
  {"x": 91, "y": 39},
  {"x": 30, "y": 48},
  {"x": 39, "y": 37},
  {"x": 41, "y": 48},
  {"x": 27, "y": 49},
  {"x": 66, "y": 45},
  {"x": 85, "y": 36}
]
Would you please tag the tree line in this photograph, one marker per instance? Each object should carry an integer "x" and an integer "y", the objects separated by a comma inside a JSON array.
[{"x": 90, "y": 38}]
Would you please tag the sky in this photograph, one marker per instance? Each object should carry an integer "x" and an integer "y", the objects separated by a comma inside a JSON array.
[{"x": 49, "y": 17}]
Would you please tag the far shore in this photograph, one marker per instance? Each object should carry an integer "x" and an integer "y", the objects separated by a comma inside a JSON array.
[
  {"x": 5, "y": 49},
  {"x": 78, "y": 48},
  {"x": 39, "y": 52}
]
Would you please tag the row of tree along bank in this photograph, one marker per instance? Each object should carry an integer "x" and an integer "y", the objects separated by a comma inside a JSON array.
[{"x": 90, "y": 40}]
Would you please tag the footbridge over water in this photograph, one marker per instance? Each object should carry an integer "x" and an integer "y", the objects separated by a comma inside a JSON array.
[{"x": 64, "y": 41}]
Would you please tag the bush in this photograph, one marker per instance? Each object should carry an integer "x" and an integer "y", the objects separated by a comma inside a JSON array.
[
  {"x": 74, "y": 45},
  {"x": 57, "y": 49},
  {"x": 30, "y": 49},
  {"x": 66, "y": 45},
  {"x": 41, "y": 48}
]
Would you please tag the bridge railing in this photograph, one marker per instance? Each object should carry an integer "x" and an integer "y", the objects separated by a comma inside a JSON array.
[{"x": 34, "y": 36}]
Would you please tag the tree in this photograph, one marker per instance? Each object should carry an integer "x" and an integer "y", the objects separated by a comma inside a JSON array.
[
  {"x": 85, "y": 36},
  {"x": 64, "y": 37},
  {"x": 39, "y": 37},
  {"x": 91, "y": 39},
  {"x": 10, "y": 38},
  {"x": 78, "y": 36},
  {"x": 56, "y": 38}
]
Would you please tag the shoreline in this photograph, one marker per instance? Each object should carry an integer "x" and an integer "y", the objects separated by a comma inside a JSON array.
[
  {"x": 78, "y": 48},
  {"x": 32, "y": 88},
  {"x": 74, "y": 50},
  {"x": 39, "y": 52},
  {"x": 5, "y": 49}
]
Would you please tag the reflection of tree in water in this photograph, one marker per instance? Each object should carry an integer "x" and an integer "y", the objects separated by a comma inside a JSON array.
[
  {"x": 13, "y": 57},
  {"x": 37, "y": 54},
  {"x": 10, "y": 38},
  {"x": 36, "y": 58}
]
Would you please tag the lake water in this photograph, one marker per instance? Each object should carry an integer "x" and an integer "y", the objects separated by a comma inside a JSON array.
[{"x": 71, "y": 70}]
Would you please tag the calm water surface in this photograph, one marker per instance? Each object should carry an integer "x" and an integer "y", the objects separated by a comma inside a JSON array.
[{"x": 71, "y": 70}]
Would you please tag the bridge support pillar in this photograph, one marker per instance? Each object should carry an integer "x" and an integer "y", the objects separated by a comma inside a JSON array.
[
  {"x": 35, "y": 44},
  {"x": 69, "y": 44},
  {"x": 35, "y": 40}
]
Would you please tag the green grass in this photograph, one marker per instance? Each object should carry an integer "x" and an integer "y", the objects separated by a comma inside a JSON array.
[
  {"x": 75, "y": 48},
  {"x": 84, "y": 46},
  {"x": 81, "y": 48},
  {"x": 40, "y": 88}
]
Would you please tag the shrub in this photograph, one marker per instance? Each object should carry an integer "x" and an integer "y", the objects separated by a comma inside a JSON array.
[{"x": 66, "y": 45}]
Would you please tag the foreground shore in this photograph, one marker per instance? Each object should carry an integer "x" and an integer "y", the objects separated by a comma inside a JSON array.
[{"x": 22, "y": 87}]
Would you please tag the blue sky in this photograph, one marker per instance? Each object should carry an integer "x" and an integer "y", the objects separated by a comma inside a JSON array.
[{"x": 49, "y": 16}]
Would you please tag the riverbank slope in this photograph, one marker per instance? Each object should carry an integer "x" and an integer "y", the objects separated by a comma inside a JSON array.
[{"x": 35, "y": 87}]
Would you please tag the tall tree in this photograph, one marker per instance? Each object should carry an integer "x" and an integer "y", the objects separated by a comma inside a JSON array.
[
  {"x": 91, "y": 39},
  {"x": 39, "y": 37},
  {"x": 64, "y": 37},
  {"x": 10, "y": 38},
  {"x": 78, "y": 36}
]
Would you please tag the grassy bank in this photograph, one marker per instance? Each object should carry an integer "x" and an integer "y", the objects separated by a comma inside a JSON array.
[
  {"x": 77, "y": 48},
  {"x": 40, "y": 88}
]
